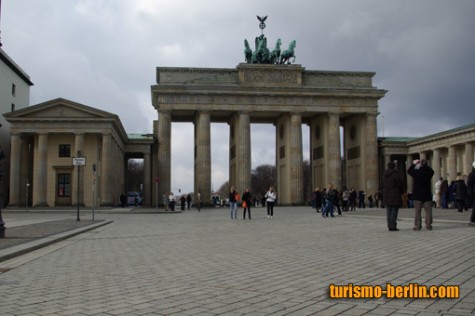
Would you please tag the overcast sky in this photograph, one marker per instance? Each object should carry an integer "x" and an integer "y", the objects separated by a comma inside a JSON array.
[{"x": 103, "y": 53}]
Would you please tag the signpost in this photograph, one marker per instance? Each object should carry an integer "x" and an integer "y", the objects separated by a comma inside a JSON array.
[
  {"x": 78, "y": 161},
  {"x": 93, "y": 189},
  {"x": 157, "y": 181}
]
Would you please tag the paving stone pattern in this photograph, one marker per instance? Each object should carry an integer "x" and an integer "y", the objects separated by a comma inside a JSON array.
[
  {"x": 204, "y": 263},
  {"x": 22, "y": 234}
]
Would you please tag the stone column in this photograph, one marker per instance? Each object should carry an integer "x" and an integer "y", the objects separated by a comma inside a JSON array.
[
  {"x": 202, "y": 181},
  {"x": 422, "y": 156},
  {"x": 243, "y": 152},
  {"x": 436, "y": 166},
  {"x": 410, "y": 181},
  {"x": 15, "y": 169},
  {"x": 452, "y": 163},
  {"x": 387, "y": 159},
  {"x": 164, "y": 153},
  {"x": 334, "y": 155},
  {"x": 79, "y": 147},
  {"x": 467, "y": 165},
  {"x": 25, "y": 170},
  {"x": 40, "y": 181},
  {"x": 106, "y": 162},
  {"x": 147, "y": 180},
  {"x": 371, "y": 171},
  {"x": 296, "y": 160}
]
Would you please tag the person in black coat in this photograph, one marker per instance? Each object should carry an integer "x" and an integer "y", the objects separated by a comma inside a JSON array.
[
  {"x": 471, "y": 192},
  {"x": 422, "y": 192},
  {"x": 393, "y": 188},
  {"x": 460, "y": 193}
]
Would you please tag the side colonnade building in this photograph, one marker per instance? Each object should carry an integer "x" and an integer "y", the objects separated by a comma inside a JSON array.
[{"x": 449, "y": 153}]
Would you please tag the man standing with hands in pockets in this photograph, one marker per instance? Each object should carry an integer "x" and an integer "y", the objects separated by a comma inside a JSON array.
[
  {"x": 421, "y": 192},
  {"x": 393, "y": 189}
]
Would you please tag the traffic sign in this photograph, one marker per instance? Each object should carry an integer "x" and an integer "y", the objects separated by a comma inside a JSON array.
[{"x": 79, "y": 161}]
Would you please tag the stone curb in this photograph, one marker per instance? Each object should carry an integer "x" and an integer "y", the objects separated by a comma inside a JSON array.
[{"x": 15, "y": 251}]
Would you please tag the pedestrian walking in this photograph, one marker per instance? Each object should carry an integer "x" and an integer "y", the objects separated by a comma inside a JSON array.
[
  {"x": 460, "y": 193},
  {"x": 233, "y": 199},
  {"x": 329, "y": 200},
  {"x": 437, "y": 186},
  {"x": 271, "y": 197},
  {"x": 361, "y": 199},
  {"x": 345, "y": 198},
  {"x": 336, "y": 200},
  {"x": 352, "y": 199},
  {"x": 471, "y": 192},
  {"x": 393, "y": 189},
  {"x": 183, "y": 202},
  {"x": 198, "y": 201},
  {"x": 317, "y": 200},
  {"x": 123, "y": 200},
  {"x": 171, "y": 201},
  {"x": 246, "y": 203},
  {"x": 421, "y": 192},
  {"x": 188, "y": 201}
]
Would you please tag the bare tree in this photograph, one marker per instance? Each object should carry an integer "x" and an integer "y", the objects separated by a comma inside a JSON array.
[
  {"x": 262, "y": 178},
  {"x": 134, "y": 174},
  {"x": 223, "y": 191}
]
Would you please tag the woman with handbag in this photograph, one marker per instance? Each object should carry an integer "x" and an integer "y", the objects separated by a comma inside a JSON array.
[
  {"x": 271, "y": 196},
  {"x": 246, "y": 202}
]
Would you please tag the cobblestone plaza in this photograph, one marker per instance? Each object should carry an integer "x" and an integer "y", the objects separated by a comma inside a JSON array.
[{"x": 202, "y": 263}]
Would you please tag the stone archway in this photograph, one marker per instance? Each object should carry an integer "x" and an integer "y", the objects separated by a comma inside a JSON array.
[{"x": 286, "y": 96}]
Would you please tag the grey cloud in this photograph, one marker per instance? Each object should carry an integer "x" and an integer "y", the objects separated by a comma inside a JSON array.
[{"x": 104, "y": 54}]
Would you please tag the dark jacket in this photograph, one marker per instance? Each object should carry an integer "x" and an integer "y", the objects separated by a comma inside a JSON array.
[
  {"x": 393, "y": 188},
  {"x": 460, "y": 190},
  {"x": 232, "y": 196},
  {"x": 471, "y": 184},
  {"x": 422, "y": 190},
  {"x": 246, "y": 196}
]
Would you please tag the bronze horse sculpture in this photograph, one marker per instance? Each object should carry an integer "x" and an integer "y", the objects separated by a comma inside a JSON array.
[
  {"x": 247, "y": 52},
  {"x": 288, "y": 53},
  {"x": 275, "y": 54}
]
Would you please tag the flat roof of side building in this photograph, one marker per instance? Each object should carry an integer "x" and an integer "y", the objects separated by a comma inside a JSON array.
[{"x": 14, "y": 67}]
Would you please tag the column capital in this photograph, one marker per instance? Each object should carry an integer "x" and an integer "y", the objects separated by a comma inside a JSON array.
[
  {"x": 372, "y": 114},
  {"x": 296, "y": 113},
  {"x": 164, "y": 112}
]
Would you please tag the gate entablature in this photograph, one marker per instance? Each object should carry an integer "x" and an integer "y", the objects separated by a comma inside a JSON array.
[{"x": 264, "y": 90}]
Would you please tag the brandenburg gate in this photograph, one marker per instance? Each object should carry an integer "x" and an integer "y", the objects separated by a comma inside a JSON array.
[
  {"x": 336, "y": 106},
  {"x": 269, "y": 89}
]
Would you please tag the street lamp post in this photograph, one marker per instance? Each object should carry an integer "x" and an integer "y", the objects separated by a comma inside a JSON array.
[
  {"x": 78, "y": 161},
  {"x": 93, "y": 189},
  {"x": 27, "y": 190},
  {"x": 78, "y": 219}
]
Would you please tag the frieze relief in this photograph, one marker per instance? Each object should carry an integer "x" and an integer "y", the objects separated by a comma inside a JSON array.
[
  {"x": 265, "y": 100},
  {"x": 260, "y": 76}
]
